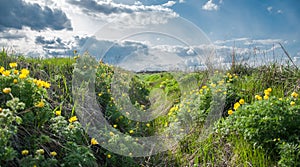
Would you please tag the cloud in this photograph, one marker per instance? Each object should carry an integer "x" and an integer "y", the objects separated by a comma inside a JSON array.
[
  {"x": 270, "y": 8},
  {"x": 181, "y": 1},
  {"x": 108, "y": 7},
  {"x": 54, "y": 47},
  {"x": 11, "y": 36},
  {"x": 210, "y": 6},
  {"x": 249, "y": 41},
  {"x": 139, "y": 14},
  {"x": 169, "y": 4},
  {"x": 264, "y": 41},
  {"x": 279, "y": 11},
  {"x": 230, "y": 40},
  {"x": 17, "y": 14}
]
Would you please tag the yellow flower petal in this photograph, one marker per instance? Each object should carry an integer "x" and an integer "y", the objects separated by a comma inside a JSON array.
[
  {"x": 292, "y": 103},
  {"x": 6, "y": 90},
  {"x": 236, "y": 105},
  {"x": 53, "y": 153},
  {"x": 94, "y": 141},
  {"x": 40, "y": 104},
  {"x": 13, "y": 65},
  {"x": 6, "y": 73},
  {"x": 73, "y": 119},
  {"x": 25, "y": 152},
  {"x": 294, "y": 94},
  {"x": 58, "y": 113},
  {"x": 242, "y": 101}
]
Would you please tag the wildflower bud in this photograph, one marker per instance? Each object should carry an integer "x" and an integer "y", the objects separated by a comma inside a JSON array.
[{"x": 6, "y": 90}]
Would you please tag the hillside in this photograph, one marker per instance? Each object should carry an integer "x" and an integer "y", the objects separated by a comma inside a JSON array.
[{"x": 78, "y": 112}]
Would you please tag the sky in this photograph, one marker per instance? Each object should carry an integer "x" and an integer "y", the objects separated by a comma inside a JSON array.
[{"x": 55, "y": 28}]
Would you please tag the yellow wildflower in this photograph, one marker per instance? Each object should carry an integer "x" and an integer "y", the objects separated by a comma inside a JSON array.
[
  {"x": 94, "y": 141},
  {"x": 230, "y": 112},
  {"x": 16, "y": 72},
  {"x": 53, "y": 153},
  {"x": 6, "y": 73},
  {"x": 108, "y": 156},
  {"x": 111, "y": 133},
  {"x": 25, "y": 152},
  {"x": 39, "y": 83},
  {"x": 292, "y": 103},
  {"x": 40, "y": 104},
  {"x": 204, "y": 87},
  {"x": 46, "y": 85},
  {"x": 25, "y": 71},
  {"x": 294, "y": 94},
  {"x": 73, "y": 119},
  {"x": 6, "y": 90},
  {"x": 115, "y": 126},
  {"x": 148, "y": 125},
  {"x": 236, "y": 105},
  {"x": 2, "y": 69},
  {"x": 40, "y": 151},
  {"x": 258, "y": 97},
  {"x": 13, "y": 65},
  {"x": 0, "y": 109},
  {"x": 15, "y": 81},
  {"x": 22, "y": 76},
  {"x": 242, "y": 101},
  {"x": 269, "y": 90},
  {"x": 131, "y": 131},
  {"x": 266, "y": 97},
  {"x": 266, "y": 92},
  {"x": 58, "y": 113}
]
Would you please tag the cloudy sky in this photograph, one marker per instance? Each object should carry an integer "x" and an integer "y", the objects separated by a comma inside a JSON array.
[{"x": 50, "y": 28}]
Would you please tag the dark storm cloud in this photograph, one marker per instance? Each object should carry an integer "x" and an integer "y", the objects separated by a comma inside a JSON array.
[{"x": 16, "y": 14}]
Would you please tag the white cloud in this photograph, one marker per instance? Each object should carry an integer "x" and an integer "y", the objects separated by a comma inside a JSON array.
[
  {"x": 169, "y": 4},
  {"x": 270, "y": 8},
  {"x": 210, "y": 6},
  {"x": 181, "y": 1},
  {"x": 110, "y": 11},
  {"x": 279, "y": 11},
  {"x": 138, "y": 3},
  {"x": 221, "y": 1},
  {"x": 230, "y": 40},
  {"x": 263, "y": 41}
]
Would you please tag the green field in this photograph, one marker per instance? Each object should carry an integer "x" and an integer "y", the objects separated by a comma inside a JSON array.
[{"x": 259, "y": 123}]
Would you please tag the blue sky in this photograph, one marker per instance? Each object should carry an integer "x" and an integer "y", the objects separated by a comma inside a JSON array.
[{"x": 57, "y": 27}]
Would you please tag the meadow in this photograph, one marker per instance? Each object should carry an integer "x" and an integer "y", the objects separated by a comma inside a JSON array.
[{"x": 259, "y": 123}]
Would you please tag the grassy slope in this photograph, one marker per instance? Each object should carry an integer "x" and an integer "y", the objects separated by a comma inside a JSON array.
[{"x": 215, "y": 150}]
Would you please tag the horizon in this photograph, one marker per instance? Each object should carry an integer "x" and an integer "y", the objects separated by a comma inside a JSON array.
[{"x": 56, "y": 28}]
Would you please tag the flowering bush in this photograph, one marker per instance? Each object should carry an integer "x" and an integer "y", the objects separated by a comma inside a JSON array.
[
  {"x": 26, "y": 118},
  {"x": 269, "y": 122}
]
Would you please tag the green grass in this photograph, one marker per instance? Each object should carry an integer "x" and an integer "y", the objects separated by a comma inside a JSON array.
[{"x": 214, "y": 149}]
